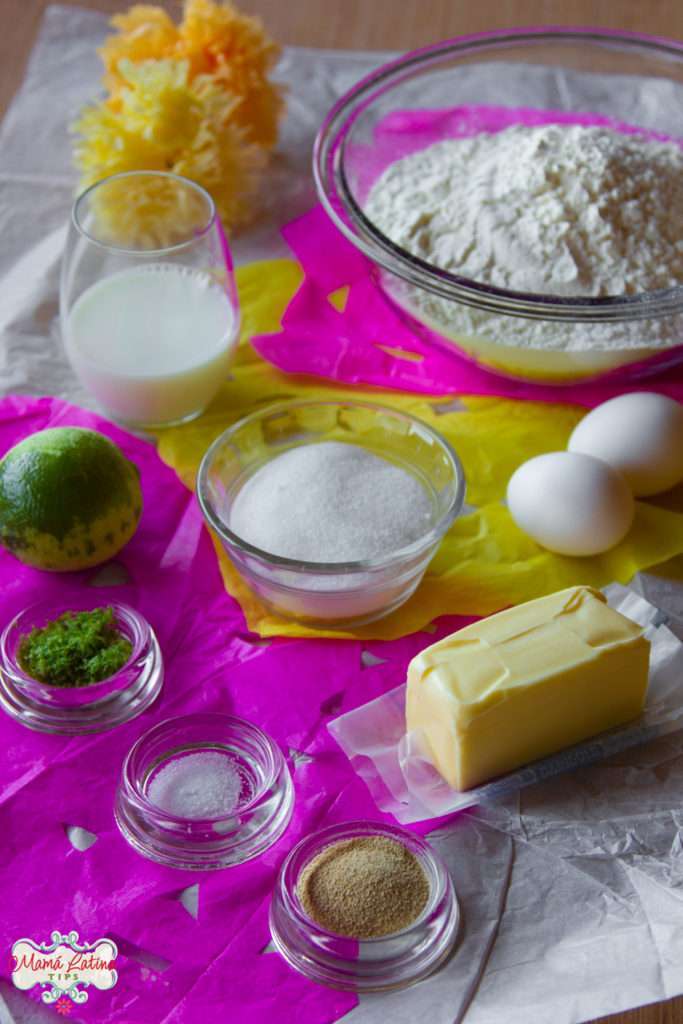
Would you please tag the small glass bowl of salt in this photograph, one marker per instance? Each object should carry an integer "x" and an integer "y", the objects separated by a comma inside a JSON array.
[
  {"x": 330, "y": 511},
  {"x": 203, "y": 791}
]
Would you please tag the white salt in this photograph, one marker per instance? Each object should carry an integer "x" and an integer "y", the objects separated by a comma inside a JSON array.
[
  {"x": 330, "y": 501},
  {"x": 206, "y": 784}
]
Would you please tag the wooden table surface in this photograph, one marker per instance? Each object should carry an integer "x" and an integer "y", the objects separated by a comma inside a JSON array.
[{"x": 379, "y": 25}]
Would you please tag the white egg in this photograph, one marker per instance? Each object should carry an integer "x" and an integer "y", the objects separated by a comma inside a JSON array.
[
  {"x": 570, "y": 503},
  {"x": 641, "y": 435}
]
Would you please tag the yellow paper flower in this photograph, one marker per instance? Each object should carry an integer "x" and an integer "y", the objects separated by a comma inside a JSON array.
[
  {"x": 193, "y": 99},
  {"x": 216, "y": 40},
  {"x": 165, "y": 123}
]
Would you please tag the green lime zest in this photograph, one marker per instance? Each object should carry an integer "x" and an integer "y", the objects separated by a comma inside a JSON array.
[{"x": 76, "y": 649}]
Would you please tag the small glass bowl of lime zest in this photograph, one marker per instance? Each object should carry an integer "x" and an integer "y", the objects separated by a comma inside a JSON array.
[{"x": 81, "y": 708}]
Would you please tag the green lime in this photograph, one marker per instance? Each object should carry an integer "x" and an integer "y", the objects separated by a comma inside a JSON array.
[{"x": 69, "y": 499}]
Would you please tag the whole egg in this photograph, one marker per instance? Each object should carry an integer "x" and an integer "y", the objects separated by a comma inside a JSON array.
[
  {"x": 641, "y": 435},
  {"x": 571, "y": 503}
]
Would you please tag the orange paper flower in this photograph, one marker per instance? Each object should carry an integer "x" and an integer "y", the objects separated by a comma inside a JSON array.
[
  {"x": 194, "y": 99},
  {"x": 216, "y": 40}
]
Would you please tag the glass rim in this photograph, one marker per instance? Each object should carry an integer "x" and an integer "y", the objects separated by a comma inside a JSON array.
[
  {"x": 337, "y": 197},
  {"x": 301, "y": 566},
  {"x": 212, "y": 215}
]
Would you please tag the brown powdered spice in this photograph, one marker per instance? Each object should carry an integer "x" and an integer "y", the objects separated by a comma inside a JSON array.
[{"x": 364, "y": 888}]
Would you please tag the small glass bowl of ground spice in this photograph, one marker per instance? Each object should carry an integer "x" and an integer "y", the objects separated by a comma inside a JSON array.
[
  {"x": 330, "y": 511},
  {"x": 203, "y": 791},
  {"x": 79, "y": 668},
  {"x": 364, "y": 907}
]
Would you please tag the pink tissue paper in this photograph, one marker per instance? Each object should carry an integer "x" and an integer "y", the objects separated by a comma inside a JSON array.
[
  {"x": 173, "y": 966},
  {"x": 369, "y": 343}
]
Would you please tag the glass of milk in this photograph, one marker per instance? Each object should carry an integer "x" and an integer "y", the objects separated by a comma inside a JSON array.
[{"x": 148, "y": 304}]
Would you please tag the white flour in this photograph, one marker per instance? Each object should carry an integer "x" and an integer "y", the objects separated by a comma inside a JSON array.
[{"x": 554, "y": 209}]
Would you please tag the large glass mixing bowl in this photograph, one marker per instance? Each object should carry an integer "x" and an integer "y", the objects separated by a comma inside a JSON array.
[{"x": 586, "y": 76}]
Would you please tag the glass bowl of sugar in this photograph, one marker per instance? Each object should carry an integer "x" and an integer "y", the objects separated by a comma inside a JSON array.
[
  {"x": 330, "y": 511},
  {"x": 519, "y": 195},
  {"x": 203, "y": 791}
]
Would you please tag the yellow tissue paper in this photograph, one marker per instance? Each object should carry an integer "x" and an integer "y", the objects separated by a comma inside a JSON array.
[{"x": 484, "y": 563}]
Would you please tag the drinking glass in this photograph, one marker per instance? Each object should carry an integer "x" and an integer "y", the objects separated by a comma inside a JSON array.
[{"x": 148, "y": 305}]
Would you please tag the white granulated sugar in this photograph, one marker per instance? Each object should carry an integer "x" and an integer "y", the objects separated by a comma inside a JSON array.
[
  {"x": 562, "y": 210},
  {"x": 206, "y": 784},
  {"x": 330, "y": 501}
]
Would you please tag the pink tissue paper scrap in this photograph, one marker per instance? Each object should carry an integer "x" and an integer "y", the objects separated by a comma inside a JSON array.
[
  {"x": 173, "y": 967},
  {"x": 369, "y": 343}
]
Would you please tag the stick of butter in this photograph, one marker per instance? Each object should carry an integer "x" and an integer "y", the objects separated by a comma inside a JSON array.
[{"x": 526, "y": 682}]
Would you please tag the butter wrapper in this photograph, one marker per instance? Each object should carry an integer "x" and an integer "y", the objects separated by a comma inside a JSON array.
[{"x": 401, "y": 776}]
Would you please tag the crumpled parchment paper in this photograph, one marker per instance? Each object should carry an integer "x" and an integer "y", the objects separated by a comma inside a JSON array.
[{"x": 570, "y": 889}]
